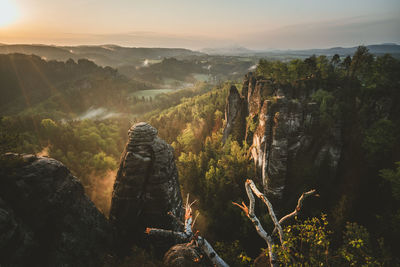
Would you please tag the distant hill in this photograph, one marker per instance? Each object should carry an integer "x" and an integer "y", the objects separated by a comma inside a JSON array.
[
  {"x": 104, "y": 55},
  {"x": 29, "y": 82},
  {"x": 344, "y": 51},
  {"x": 232, "y": 50},
  {"x": 168, "y": 68},
  {"x": 377, "y": 49}
]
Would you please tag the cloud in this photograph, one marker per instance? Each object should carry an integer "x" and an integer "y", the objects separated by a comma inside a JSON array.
[
  {"x": 344, "y": 32},
  {"x": 318, "y": 34}
]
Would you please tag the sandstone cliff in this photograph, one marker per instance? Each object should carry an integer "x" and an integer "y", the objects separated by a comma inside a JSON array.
[{"x": 283, "y": 130}]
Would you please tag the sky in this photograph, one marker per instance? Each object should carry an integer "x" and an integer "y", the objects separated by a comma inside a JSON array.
[{"x": 197, "y": 24}]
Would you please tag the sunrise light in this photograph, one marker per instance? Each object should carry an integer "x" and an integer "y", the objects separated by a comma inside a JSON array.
[{"x": 8, "y": 13}]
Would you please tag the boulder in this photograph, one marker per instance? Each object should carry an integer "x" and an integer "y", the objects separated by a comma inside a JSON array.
[{"x": 184, "y": 255}]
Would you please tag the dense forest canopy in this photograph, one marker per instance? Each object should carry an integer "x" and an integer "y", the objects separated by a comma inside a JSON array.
[{"x": 354, "y": 222}]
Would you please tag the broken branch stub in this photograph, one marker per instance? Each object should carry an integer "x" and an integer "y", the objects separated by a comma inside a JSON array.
[{"x": 188, "y": 236}]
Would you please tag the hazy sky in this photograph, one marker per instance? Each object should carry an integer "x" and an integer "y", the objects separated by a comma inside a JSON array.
[{"x": 257, "y": 24}]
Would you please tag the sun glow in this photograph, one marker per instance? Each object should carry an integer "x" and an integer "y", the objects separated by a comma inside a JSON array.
[{"x": 8, "y": 13}]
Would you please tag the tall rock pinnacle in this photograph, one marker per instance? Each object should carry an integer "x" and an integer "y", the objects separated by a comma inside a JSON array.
[{"x": 146, "y": 186}]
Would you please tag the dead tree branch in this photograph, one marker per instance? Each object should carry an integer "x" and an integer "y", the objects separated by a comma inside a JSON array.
[
  {"x": 297, "y": 209},
  {"x": 250, "y": 184},
  {"x": 182, "y": 237},
  {"x": 188, "y": 236},
  {"x": 250, "y": 188}
]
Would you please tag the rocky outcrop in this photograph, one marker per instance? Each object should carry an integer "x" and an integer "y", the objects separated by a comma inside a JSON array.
[
  {"x": 283, "y": 128},
  {"x": 235, "y": 116},
  {"x": 185, "y": 255},
  {"x": 278, "y": 137},
  {"x": 45, "y": 217},
  {"x": 146, "y": 187}
]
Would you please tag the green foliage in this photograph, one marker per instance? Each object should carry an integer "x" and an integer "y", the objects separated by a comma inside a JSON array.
[
  {"x": 393, "y": 177},
  {"x": 391, "y": 220},
  {"x": 216, "y": 176},
  {"x": 356, "y": 248},
  {"x": 90, "y": 149},
  {"x": 380, "y": 138},
  {"x": 306, "y": 243},
  {"x": 137, "y": 257},
  {"x": 233, "y": 253},
  {"x": 195, "y": 118},
  {"x": 252, "y": 124},
  {"x": 358, "y": 93},
  {"x": 327, "y": 107},
  {"x": 56, "y": 89}
]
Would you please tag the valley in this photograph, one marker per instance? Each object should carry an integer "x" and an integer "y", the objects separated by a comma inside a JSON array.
[{"x": 292, "y": 124}]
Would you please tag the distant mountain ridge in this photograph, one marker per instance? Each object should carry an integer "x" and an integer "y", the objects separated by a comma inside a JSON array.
[
  {"x": 103, "y": 55},
  {"x": 374, "y": 49},
  {"x": 377, "y": 49}
]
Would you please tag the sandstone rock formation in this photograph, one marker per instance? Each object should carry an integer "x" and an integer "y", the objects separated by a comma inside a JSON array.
[
  {"x": 45, "y": 217},
  {"x": 283, "y": 129},
  {"x": 184, "y": 255},
  {"x": 235, "y": 116},
  {"x": 146, "y": 187}
]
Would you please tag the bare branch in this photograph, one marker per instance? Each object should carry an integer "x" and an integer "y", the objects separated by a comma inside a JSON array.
[
  {"x": 252, "y": 186},
  {"x": 256, "y": 222},
  {"x": 297, "y": 209},
  {"x": 188, "y": 236},
  {"x": 251, "y": 198},
  {"x": 243, "y": 207},
  {"x": 210, "y": 252},
  {"x": 182, "y": 237},
  {"x": 195, "y": 218}
]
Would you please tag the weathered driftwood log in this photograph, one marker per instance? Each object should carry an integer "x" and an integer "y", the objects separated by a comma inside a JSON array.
[
  {"x": 188, "y": 236},
  {"x": 250, "y": 188}
]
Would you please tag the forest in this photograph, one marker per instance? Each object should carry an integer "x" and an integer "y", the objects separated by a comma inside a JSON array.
[{"x": 353, "y": 221}]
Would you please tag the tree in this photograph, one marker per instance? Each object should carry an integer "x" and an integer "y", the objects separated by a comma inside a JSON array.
[{"x": 250, "y": 188}]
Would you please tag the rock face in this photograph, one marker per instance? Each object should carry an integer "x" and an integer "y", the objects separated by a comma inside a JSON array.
[
  {"x": 235, "y": 116},
  {"x": 283, "y": 128},
  {"x": 146, "y": 187},
  {"x": 46, "y": 218}
]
